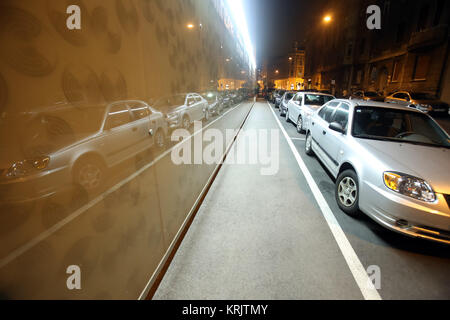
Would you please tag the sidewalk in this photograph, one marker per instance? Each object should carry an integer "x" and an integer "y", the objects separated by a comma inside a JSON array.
[{"x": 259, "y": 237}]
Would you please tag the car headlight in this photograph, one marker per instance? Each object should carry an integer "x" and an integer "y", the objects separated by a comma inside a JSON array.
[
  {"x": 409, "y": 186},
  {"x": 25, "y": 167}
]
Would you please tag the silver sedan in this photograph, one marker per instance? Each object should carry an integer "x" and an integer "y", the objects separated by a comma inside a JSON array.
[{"x": 390, "y": 162}]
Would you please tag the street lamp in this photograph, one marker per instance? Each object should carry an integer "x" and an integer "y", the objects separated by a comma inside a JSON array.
[
  {"x": 327, "y": 19},
  {"x": 190, "y": 26}
]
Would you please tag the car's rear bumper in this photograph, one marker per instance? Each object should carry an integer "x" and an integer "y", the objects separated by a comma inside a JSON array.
[{"x": 411, "y": 217}]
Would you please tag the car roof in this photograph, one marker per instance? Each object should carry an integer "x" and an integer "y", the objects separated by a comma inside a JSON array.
[
  {"x": 357, "y": 102},
  {"x": 317, "y": 93}
]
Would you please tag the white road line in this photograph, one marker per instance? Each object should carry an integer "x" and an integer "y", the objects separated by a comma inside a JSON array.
[
  {"x": 42, "y": 236},
  {"x": 292, "y": 138},
  {"x": 366, "y": 286}
]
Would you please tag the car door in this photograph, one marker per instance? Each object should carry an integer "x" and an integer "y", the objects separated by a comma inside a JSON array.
[
  {"x": 146, "y": 127},
  {"x": 190, "y": 108},
  {"x": 319, "y": 130},
  {"x": 333, "y": 140},
  {"x": 119, "y": 133},
  {"x": 202, "y": 105},
  {"x": 294, "y": 110}
]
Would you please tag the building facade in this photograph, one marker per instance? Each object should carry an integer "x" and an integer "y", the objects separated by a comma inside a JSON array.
[{"x": 409, "y": 52}]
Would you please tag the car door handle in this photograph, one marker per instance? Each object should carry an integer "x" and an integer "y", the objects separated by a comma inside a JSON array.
[
  {"x": 134, "y": 129},
  {"x": 324, "y": 132},
  {"x": 312, "y": 123}
]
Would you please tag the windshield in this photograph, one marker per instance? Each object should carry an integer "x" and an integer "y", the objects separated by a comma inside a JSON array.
[
  {"x": 169, "y": 102},
  {"x": 397, "y": 125},
  {"x": 317, "y": 99},
  {"x": 289, "y": 96},
  {"x": 370, "y": 94},
  {"x": 422, "y": 96}
]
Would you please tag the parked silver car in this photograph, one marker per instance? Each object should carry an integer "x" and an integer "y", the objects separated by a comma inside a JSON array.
[
  {"x": 422, "y": 101},
  {"x": 288, "y": 95},
  {"x": 390, "y": 162},
  {"x": 181, "y": 110},
  {"x": 75, "y": 146},
  {"x": 302, "y": 105}
]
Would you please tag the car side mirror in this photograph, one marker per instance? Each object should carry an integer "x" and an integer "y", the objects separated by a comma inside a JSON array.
[{"x": 336, "y": 126}]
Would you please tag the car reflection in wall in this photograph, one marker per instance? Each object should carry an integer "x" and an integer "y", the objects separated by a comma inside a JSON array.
[
  {"x": 390, "y": 162},
  {"x": 418, "y": 100},
  {"x": 78, "y": 146},
  {"x": 181, "y": 110},
  {"x": 215, "y": 103},
  {"x": 303, "y": 105}
]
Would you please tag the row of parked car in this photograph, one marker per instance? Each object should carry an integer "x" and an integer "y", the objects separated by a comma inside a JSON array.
[
  {"x": 389, "y": 161},
  {"x": 422, "y": 101},
  {"x": 78, "y": 145}
]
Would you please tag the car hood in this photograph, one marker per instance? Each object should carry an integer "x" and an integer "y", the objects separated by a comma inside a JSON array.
[{"x": 429, "y": 163}]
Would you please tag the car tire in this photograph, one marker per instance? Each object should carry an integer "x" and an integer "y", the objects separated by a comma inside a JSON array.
[
  {"x": 347, "y": 192},
  {"x": 206, "y": 115},
  {"x": 186, "y": 122},
  {"x": 89, "y": 173},
  {"x": 159, "y": 139},
  {"x": 300, "y": 124},
  {"x": 287, "y": 116},
  {"x": 308, "y": 145}
]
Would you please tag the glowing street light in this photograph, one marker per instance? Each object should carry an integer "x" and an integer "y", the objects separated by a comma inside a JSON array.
[
  {"x": 190, "y": 26},
  {"x": 327, "y": 19},
  {"x": 277, "y": 71},
  {"x": 290, "y": 58}
]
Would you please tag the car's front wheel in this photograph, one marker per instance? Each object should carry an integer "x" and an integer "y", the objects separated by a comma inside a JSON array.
[
  {"x": 186, "y": 122},
  {"x": 308, "y": 145},
  {"x": 299, "y": 124},
  {"x": 347, "y": 192},
  {"x": 287, "y": 116},
  {"x": 89, "y": 173}
]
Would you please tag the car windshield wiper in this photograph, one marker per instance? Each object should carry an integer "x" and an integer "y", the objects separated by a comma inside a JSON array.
[{"x": 367, "y": 136}]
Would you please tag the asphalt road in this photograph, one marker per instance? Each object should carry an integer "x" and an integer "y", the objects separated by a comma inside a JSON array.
[
  {"x": 410, "y": 268},
  {"x": 260, "y": 237}
]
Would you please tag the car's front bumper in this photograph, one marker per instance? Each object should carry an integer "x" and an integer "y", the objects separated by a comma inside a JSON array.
[
  {"x": 38, "y": 186},
  {"x": 406, "y": 215}
]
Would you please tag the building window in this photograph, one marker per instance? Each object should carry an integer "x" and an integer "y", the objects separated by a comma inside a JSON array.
[
  {"x": 349, "y": 50},
  {"x": 438, "y": 13},
  {"x": 400, "y": 32},
  {"x": 362, "y": 46},
  {"x": 423, "y": 18},
  {"x": 421, "y": 66},
  {"x": 396, "y": 71}
]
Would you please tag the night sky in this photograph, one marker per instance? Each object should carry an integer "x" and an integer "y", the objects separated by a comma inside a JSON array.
[{"x": 275, "y": 24}]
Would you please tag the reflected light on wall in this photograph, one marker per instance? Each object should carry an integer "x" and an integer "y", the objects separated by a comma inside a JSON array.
[{"x": 237, "y": 12}]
